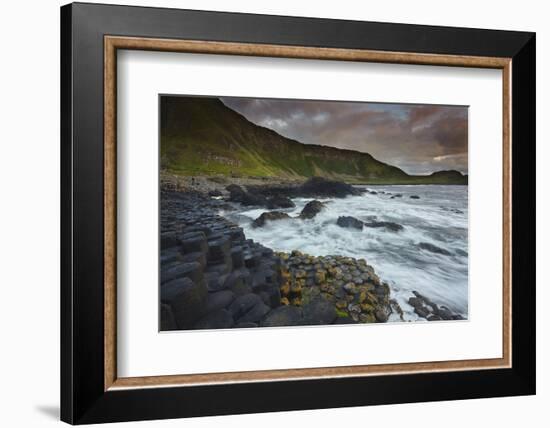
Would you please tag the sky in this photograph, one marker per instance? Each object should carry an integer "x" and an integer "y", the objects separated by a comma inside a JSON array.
[{"x": 419, "y": 139}]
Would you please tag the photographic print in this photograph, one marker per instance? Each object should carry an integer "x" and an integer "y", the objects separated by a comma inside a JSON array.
[{"x": 288, "y": 212}]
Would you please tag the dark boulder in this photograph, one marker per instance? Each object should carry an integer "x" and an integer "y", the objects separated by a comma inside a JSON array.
[
  {"x": 283, "y": 316},
  {"x": 347, "y": 221},
  {"x": 434, "y": 248},
  {"x": 192, "y": 270},
  {"x": 445, "y": 313},
  {"x": 425, "y": 308},
  {"x": 381, "y": 315},
  {"x": 246, "y": 325},
  {"x": 238, "y": 194},
  {"x": 186, "y": 299},
  {"x": 218, "y": 319},
  {"x": 193, "y": 242},
  {"x": 197, "y": 257},
  {"x": 280, "y": 201},
  {"x": 215, "y": 193},
  {"x": 219, "y": 300},
  {"x": 255, "y": 314},
  {"x": 167, "y": 320},
  {"x": 319, "y": 311},
  {"x": 271, "y": 297},
  {"x": 414, "y": 197},
  {"x": 419, "y": 308},
  {"x": 311, "y": 209},
  {"x": 345, "y": 320},
  {"x": 169, "y": 256},
  {"x": 434, "y": 318},
  {"x": 168, "y": 240},
  {"x": 269, "y": 216},
  {"x": 237, "y": 282},
  {"x": 237, "y": 257},
  {"x": 390, "y": 225},
  {"x": 219, "y": 249},
  {"x": 215, "y": 281},
  {"x": 242, "y": 304},
  {"x": 319, "y": 186}
]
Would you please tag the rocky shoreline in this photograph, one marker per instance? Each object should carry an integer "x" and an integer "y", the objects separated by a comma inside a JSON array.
[{"x": 213, "y": 277}]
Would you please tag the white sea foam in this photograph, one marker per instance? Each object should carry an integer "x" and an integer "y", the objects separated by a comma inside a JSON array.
[{"x": 439, "y": 217}]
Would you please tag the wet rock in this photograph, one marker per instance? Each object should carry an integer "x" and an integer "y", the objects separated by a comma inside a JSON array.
[
  {"x": 194, "y": 242},
  {"x": 238, "y": 194},
  {"x": 395, "y": 307},
  {"x": 242, "y": 304},
  {"x": 215, "y": 281},
  {"x": 252, "y": 260},
  {"x": 228, "y": 265},
  {"x": 425, "y": 308},
  {"x": 350, "y": 288},
  {"x": 271, "y": 297},
  {"x": 394, "y": 227},
  {"x": 269, "y": 216},
  {"x": 237, "y": 257},
  {"x": 433, "y": 248},
  {"x": 180, "y": 270},
  {"x": 221, "y": 268},
  {"x": 453, "y": 210},
  {"x": 219, "y": 300},
  {"x": 168, "y": 240},
  {"x": 246, "y": 325},
  {"x": 168, "y": 257},
  {"x": 215, "y": 193},
  {"x": 381, "y": 315},
  {"x": 319, "y": 311},
  {"x": 219, "y": 249},
  {"x": 280, "y": 202},
  {"x": 218, "y": 319},
  {"x": 311, "y": 209},
  {"x": 255, "y": 314},
  {"x": 283, "y": 316},
  {"x": 186, "y": 299},
  {"x": 238, "y": 283},
  {"x": 167, "y": 320},
  {"x": 197, "y": 257},
  {"x": 345, "y": 320},
  {"x": 318, "y": 186},
  {"x": 444, "y": 313},
  {"x": 348, "y": 221}
]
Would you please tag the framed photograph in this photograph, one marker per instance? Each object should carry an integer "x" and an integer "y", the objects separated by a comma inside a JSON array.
[{"x": 266, "y": 213}]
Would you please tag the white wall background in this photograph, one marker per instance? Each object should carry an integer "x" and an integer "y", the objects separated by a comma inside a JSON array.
[{"x": 29, "y": 212}]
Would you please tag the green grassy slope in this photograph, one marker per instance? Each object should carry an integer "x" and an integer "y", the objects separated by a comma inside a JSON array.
[{"x": 202, "y": 136}]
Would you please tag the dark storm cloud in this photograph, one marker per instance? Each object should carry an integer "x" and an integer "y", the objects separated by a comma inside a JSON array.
[{"x": 418, "y": 138}]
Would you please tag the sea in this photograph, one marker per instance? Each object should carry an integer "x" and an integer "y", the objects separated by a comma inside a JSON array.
[{"x": 438, "y": 217}]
